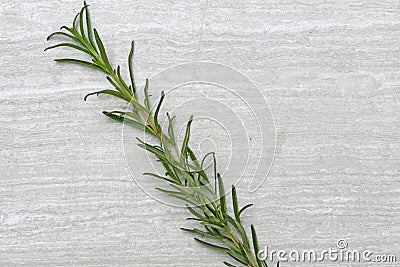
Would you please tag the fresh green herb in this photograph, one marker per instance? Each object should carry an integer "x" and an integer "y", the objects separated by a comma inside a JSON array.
[{"x": 184, "y": 172}]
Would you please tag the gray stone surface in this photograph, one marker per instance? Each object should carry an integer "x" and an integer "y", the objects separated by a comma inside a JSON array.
[{"x": 330, "y": 71}]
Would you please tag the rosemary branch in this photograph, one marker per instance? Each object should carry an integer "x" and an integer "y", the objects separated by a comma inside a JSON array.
[{"x": 184, "y": 172}]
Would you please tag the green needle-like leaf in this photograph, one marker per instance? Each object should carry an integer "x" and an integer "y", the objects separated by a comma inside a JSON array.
[
  {"x": 158, "y": 110},
  {"x": 255, "y": 243},
  {"x": 159, "y": 177},
  {"x": 108, "y": 92},
  {"x": 89, "y": 26},
  {"x": 130, "y": 65},
  {"x": 62, "y": 34},
  {"x": 79, "y": 62},
  {"x": 146, "y": 95},
  {"x": 244, "y": 208},
  {"x": 102, "y": 50},
  {"x": 221, "y": 194},
  {"x": 235, "y": 204},
  {"x": 81, "y": 27},
  {"x": 186, "y": 139},
  {"x": 127, "y": 121},
  {"x": 211, "y": 245},
  {"x": 69, "y": 45}
]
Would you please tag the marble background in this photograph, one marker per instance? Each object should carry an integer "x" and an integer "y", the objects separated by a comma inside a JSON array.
[{"x": 330, "y": 72}]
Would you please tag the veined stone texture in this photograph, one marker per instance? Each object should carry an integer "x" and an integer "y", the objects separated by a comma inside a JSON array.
[{"x": 330, "y": 73}]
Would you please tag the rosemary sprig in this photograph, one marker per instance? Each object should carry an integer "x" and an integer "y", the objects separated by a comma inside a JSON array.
[{"x": 184, "y": 172}]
